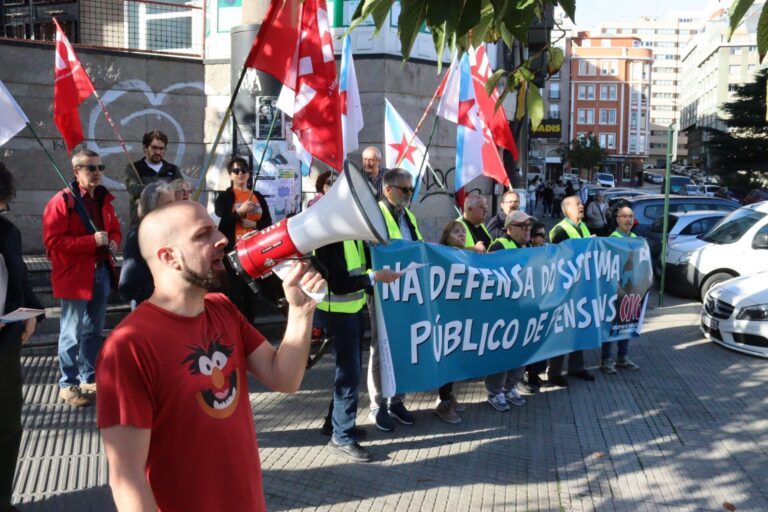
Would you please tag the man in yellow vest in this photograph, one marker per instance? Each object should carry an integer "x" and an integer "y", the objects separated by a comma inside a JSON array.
[
  {"x": 502, "y": 386},
  {"x": 478, "y": 237},
  {"x": 341, "y": 313},
  {"x": 402, "y": 225},
  {"x": 570, "y": 227}
]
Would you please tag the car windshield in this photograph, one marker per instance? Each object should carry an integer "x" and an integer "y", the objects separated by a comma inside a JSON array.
[
  {"x": 733, "y": 226},
  {"x": 604, "y": 176}
]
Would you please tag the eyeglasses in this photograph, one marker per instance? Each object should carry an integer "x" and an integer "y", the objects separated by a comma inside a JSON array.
[
  {"x": 526, "y": 225},
  {"x": 239, "y": 170},
  {"x": 91, "y": 168},
  {"x": 183, "y": 192},
  {"x": 406, "y": 190}
]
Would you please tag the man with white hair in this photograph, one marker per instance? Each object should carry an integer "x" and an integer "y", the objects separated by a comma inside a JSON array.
[
  {"x": 173, "y": 407},
  {"x": 478, "y": 238},
  {"x": 372, "y": 169}
]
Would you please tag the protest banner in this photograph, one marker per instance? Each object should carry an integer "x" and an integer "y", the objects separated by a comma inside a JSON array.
[{"x": 455, "y": 314}]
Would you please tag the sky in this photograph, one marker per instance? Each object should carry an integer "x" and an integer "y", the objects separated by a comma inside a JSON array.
[{"x": 591, "y": 12}]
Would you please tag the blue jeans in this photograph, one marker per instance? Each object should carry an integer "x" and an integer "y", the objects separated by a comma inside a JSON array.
[
  {"x": 82, "y": 322},
  {"x": 347, "y": 332},
  {"x": 605, "y": 350}
]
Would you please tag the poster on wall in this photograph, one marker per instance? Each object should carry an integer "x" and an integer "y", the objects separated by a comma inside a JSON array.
[
  {"x": 266, "y": 110},
  {"x": 280, "y": 178},
  {"x": 228, "y": 14}
]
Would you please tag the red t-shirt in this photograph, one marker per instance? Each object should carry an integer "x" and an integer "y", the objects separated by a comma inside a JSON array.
[{"x": 185, "y": 378}]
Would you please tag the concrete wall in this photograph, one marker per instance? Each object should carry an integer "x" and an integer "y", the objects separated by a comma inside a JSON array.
[{"x": 142, "y": 92}]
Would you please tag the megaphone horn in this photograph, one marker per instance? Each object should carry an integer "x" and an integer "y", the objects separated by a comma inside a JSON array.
[{"x": 349, "y": 211}]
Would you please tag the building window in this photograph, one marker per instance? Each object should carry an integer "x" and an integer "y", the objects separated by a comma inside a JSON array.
[
  {"x": 609, "y": 68},
  {"x": 554, "y": 91},
  {"x": 586, "y": 116},
  {"x": 633, "y": 143},
  {"x": 587, "y": 67},
  {"x": 633, "y": 120},
  {"x": 607, "y": 92},
  {"x": 734, "y": 70},
  {"x": 607, "y": 140},
  {"x": 607, "y": 116},
  {"x": 586, "y": 92},
  {"x": 554, "y": 111},
  {"x": 736, "y": 50}
]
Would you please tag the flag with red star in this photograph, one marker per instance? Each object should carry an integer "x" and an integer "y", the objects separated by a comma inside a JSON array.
[
  {"x": 464, "y": 102},
  {"x": 401, "y": 146}
]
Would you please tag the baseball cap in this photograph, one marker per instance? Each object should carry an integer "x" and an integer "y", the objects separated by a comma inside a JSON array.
[{"x": 517, "y": 217}]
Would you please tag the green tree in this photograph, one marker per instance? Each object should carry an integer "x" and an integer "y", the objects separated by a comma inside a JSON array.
[
  {"x": 585, "y": 153},
  {"x": 456, "y": 24},
  {"x": 740, "y": 153},
  {"x": 738, "y": 10}
]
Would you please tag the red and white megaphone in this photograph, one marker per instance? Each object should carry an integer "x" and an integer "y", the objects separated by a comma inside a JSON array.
[{"x": 349, "y": 211}]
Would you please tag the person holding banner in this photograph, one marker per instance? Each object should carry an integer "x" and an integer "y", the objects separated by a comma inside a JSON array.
[
  {"x": 572, "y": 226},
  {"x": 152, "y": 167},
  {"x": 341, "y": 314},
  {"x": 82, "y": 271},
  {"x": 510, "y": 202},
  {"x": 477, "y": 236},
  {"x": 625, "y": 221},
  {"x": 401, "y": 225},
  {"x": 502, "y": 386}
]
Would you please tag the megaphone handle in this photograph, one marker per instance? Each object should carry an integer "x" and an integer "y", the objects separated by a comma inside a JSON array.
[{"x": 281, "y": 269}]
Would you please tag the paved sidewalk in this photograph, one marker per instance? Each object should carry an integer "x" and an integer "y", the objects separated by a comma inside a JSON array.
[{"x": 687, "y": 432}]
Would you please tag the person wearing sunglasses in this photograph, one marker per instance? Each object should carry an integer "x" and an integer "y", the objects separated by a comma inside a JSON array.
[
  {"x": 151, "y": 167},
  {"x": 502, "y": 387},
  {"x": 401, "y": 225},
  {"x": 241, "y": 210},
  {"x": 82, "y": 271},
  {"x": 477, "y": 236}
]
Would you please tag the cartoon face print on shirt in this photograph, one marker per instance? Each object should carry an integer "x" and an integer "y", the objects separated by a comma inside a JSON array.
[{"x": 216, "y": 376}]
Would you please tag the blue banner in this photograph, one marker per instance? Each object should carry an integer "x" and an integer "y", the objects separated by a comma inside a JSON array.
[{"x": 456, "y": 314}]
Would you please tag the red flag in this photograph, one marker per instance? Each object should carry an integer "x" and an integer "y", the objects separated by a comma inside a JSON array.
[
  {"x": 70, "y": 88},
  {"x": 496, "y": 120},
  {"x": 295, "y": 46}
]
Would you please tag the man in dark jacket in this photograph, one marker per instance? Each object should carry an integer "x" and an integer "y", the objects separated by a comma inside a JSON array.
[
  {"x": 150, "y": 168},
  {"x": 82, "y": 271},
  {"x": 510, "y": 202}
]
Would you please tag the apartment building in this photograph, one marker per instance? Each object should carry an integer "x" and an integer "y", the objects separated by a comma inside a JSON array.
[
  {"x": 666, "y": 38},
  {"x": 610, "y": 86},
  {"x": 712, "y": 68}
]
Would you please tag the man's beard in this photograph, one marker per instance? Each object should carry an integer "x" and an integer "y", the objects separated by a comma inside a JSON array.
[{"x": 213, "y": 281}]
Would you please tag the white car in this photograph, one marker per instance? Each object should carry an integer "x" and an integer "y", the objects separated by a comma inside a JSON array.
[
  {"x": 735, "y": 314},
  {"x": 605, "y": 179}
]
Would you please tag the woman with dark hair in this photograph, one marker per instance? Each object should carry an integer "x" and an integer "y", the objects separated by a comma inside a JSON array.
[
  {"x": 241, "y": 211},
  {"x": 18, "y": 293},
  {"x": 322, "y": 186},
  {"x": 447, "y": 409}
]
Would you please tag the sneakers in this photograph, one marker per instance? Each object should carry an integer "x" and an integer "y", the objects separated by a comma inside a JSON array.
[
  {"x": 88, "y": 387},
  {"x": 382, "y": 419},
  {"x": 401, "y": 414},
  {"x": 74, "y": 396},
  {"x": 456, "y": 405},
  {"x": 498, "y": 402},
  {"x": 627, "y": 364},
  {"x": 583, "y": 375},
  {"x": 513, "y": 397},
  {"x": 608, "y": 367},
  {"x": 447, "y": 413},
  {"x": 353, "y": 451}
]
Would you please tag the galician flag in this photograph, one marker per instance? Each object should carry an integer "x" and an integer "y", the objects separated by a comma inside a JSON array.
[
  {"x": 397, "y": 135},
  {"x": 12, "y": 118},
  {"x": 462, "y": 103},
  {"x": 351, "y": 109}
]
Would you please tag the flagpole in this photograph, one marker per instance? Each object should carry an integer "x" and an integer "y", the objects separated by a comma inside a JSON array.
[
  {"x": 418, "y": 126},
  {"x": 58, "y": 171},
  {"x": 117, "y": 134},
  {"x": 264, "y": 152},
  {"x": 212, "y": 154}
]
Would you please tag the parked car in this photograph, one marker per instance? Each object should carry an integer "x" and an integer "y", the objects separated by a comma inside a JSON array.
[
  {"x": 572, "y": 178},
  {"x": 735, "y": 314},
  {"x": 735, "y": 246},
  {"x": 681, "y": 227},
  {"x": 650, "y": 207},
  {"x": 676, "y": 183},
  {"x": 657, "y": 179},
  {"x": 710, "y": 190},
  {"x": 605, "y": 179},
  {"x": 755, "y": 196},
  {"x": 648, "y": 166},
  {"x": 691, "y": 190}
]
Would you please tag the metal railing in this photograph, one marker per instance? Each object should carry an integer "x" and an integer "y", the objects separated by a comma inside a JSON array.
[{"x": 170, "y": 27}]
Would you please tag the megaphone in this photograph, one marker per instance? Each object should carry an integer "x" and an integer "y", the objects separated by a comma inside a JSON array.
[{"x": 349, "y": 211}]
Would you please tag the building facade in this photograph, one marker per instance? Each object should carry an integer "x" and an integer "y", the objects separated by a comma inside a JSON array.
[
  {"x": 610, "y": 84},
  {"x": 666, "y": 38}
]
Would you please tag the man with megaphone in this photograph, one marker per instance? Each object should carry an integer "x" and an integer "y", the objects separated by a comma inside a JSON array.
[{"x": 401, "y": 224}]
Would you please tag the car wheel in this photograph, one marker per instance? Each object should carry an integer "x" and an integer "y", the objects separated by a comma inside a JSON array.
[{"x": 712, "y": 281}]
